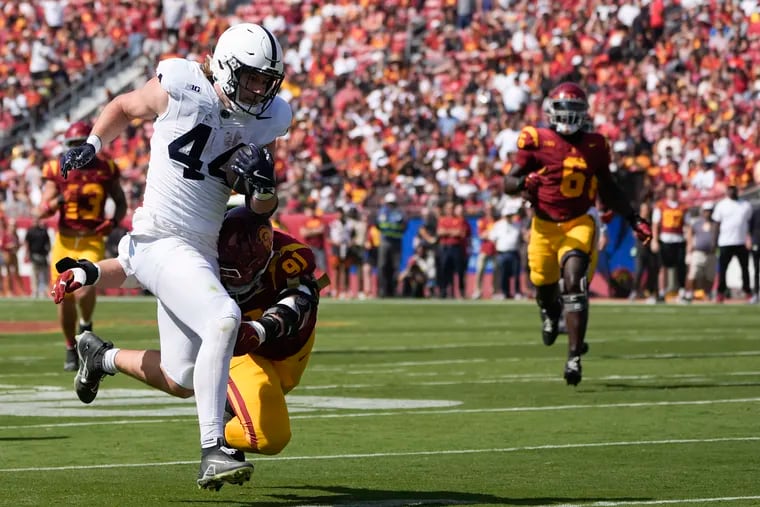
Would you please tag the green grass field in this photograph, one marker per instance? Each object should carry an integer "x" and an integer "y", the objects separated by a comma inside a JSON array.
[{"x": 406, "y": 403}]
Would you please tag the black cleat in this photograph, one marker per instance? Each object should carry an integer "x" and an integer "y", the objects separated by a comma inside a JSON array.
[
  {"x": 573, "y": 371},
  {"x": 90, "y": 349},
  {"x": 221, "y": 464},
  {"x": 549, "y": 327},
  {"x": 72, "y": 360}
]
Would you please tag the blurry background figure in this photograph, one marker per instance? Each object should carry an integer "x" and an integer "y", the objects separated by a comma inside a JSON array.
[
  {"x": 80, "y": 204},
  {"x": 453, "y": 233},
  {"x": 415, "y": 278},
  {"x": 9, "y": 242},
  {"x": 647, "y": 264},
  {"x": 313, "y": 234},
  {"x": 427, "y": 236},
  {"x": 369, "y": 259},
  {"x": 701, "y": 245},
  {"x": 487, "y": 254},
  {"x": 464, "y": 241},
  {"x": 341, "y": 233},
  {"x": 356, "y": 249},
  {"x": 733, "y": 216},
  {"x": 754, "y": 230},
  {"x": 37, "y": 242},
  {"x": 391, "y": 221},
  {"x": 506, "y": 234},
  {"x": 669, "y": 240}
]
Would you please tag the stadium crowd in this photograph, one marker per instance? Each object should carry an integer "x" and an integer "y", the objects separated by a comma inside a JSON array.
[{"x": 423, "y": 100}]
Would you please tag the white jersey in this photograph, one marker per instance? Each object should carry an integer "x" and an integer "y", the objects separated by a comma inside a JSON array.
[{"x": 186, "y": 191}]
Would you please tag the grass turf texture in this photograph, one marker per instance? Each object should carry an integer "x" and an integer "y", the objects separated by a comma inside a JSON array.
[{"x": 413, "y": 403}]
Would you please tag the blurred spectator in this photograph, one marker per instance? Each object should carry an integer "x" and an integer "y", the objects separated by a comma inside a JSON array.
[
  {"x": 37, "y": 242},
  {"x": 417, "y": 274},
  {"x": 392, "y": 223},
  {"x": 507, "y": 237},
  {"x": 452, "y": 231},
  {"x": 313, "y": 234},
  {"x": 702, "y": 243},
  {"x": 733, "y": 216},
  {"x": 669, "y": 239},
  {"x": 487, "y": 252},
  {"x": 9, "y": 244}
]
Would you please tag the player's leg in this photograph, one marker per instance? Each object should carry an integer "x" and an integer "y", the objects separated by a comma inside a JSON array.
[
  {"x": 544, "y": 274},
  {"x": 67, "y": 310},
  {"x": 576, "y": 252},
  {"x": 91, "y": 248},
  {"x": 186, "y": 281},
  {"x": 254, "y": 392}
]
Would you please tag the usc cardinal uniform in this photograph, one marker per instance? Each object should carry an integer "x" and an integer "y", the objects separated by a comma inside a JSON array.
[
  {"x": 84, "y": 195},
  {"x": 260, "y": 380},
  {"x": 567, "y": 170}
]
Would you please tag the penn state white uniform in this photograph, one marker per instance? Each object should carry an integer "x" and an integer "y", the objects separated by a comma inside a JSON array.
[{"x": 171, "y": 250}]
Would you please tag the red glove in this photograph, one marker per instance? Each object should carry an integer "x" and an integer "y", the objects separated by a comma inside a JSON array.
[
  {"x": 67, "y": 282},
  {"x": 248, "y": 339},
  {"x": 530, "y": 187},
  {"x": 607, "y": 216},
  {"x": 641, "y": 228}
]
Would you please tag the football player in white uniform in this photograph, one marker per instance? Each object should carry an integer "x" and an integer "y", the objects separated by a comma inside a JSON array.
[{"x": 215, "y": 126}]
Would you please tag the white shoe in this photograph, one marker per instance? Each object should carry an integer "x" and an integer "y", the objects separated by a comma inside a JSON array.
[{"x": 476, "y": 295}]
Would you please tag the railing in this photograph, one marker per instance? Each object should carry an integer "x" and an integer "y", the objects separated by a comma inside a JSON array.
[{"x": 67, "y": 98}]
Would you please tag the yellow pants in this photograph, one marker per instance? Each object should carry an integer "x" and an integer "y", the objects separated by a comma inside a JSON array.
[
  {"x": 551, "y": 241},
  {"x": 92, "y": 248},
  {"x": 256, "y": 391}
]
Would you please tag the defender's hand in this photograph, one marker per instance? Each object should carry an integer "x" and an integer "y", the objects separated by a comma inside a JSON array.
[
  {"x": 76, "y": 158},
  {"x": 248, "y": 339}
]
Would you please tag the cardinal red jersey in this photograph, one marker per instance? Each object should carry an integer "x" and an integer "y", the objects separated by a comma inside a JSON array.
[
  {"x": 672, "y": 217},
  {"x": 291, "y": 262},
  {"x": 567, "y": 169},
  {"x": 84, "y": 192}
]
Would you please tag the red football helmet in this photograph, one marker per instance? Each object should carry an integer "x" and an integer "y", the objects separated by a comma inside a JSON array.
[
  {"x": 76, "y": 134},
  {"x": 567, "y": 108},
  {"x": 245, "y": 249}
]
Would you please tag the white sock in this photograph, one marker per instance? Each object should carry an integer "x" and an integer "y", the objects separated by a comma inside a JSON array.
[
  {"x": 109, "y": 361},
  {"x": 210, "y": 380},
  {"x": 84, "y": 323}
]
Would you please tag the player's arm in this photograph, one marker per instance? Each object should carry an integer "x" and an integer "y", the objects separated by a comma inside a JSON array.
[
  {"x": 120, "y": 200},
  {"x": 615, "y": 199},
  {"x": 75, "y": 274},
  {"x": 265, "y": 200},
  {"x": 50, "y": 200},
  {"x": 518, "y": 179},
  {"x": 144, "y": 103}
]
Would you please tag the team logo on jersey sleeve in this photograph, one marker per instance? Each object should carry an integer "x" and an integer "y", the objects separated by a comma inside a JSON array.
[{"x": 265, "y": 236}]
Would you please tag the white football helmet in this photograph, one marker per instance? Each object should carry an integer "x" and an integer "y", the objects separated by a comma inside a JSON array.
[{"x": 248, "y": 48}]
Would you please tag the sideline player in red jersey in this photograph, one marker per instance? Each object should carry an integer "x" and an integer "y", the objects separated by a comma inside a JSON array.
[
  {"x": 560, "y": 169},
  {"x": 82, "y": 226},
  {"x": 271, "y": 277}
]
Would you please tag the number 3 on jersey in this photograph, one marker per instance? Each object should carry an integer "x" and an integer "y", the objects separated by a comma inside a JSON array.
[{"x": 196, "y": 139}]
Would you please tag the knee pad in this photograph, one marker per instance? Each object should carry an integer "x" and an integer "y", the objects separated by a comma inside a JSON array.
[{"x": 575, "y": 302}]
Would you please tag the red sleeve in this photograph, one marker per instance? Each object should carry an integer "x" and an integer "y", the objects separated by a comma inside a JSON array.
[{"x": 527, "y": 144}]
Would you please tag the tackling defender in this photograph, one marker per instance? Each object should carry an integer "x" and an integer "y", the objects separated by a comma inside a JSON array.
[
  {"x": 271, "y": 277},
  {"x": 82, "y": 226},
  {"x": 210, "y": 121},
  {"x": 561, "y": 169}
]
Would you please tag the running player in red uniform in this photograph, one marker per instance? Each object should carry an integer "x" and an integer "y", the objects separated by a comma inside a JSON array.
[
  {"x": 82, "y": 226},
  {"x": 560, "y": 170}
]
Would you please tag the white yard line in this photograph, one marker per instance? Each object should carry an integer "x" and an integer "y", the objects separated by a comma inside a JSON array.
[
  {"x": 405, "y": 413},
  {"x": 527, "y": 448},
  {"x": 612, "y": 503}
]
